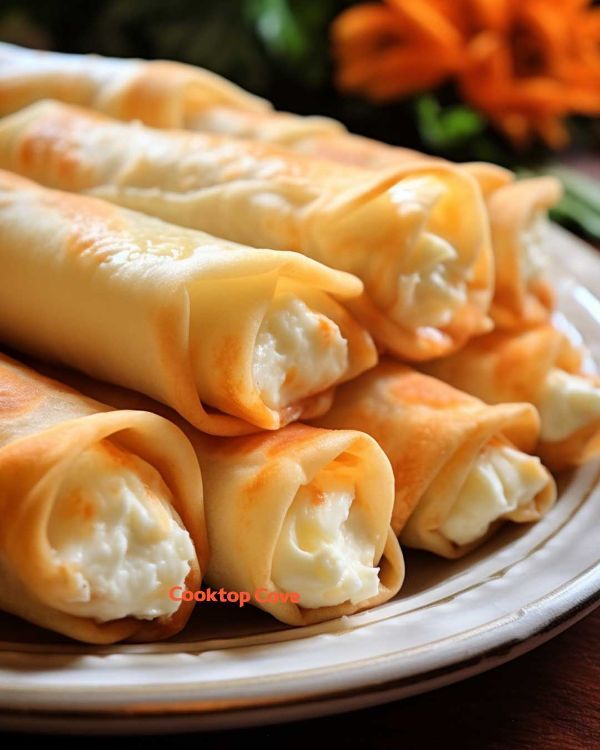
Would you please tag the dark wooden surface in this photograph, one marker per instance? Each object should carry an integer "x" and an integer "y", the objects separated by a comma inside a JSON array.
[{"x": 548, "y": 699}]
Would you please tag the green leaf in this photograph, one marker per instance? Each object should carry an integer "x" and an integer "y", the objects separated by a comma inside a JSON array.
[
  {"x": 580, "y": 204},
  {"x": 447, "y": 127},
  {"x": 582, "y": 187},
  {"x": 570, "y": 210},
  {"x": 279, "y": 28},
  {"x": 295, "y": 33}
]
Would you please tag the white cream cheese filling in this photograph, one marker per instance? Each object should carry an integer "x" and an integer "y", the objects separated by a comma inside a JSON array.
[
  {"x": 324, "y": 553},
  {"x": 114, "y": 532},
  {"x": 533, "y": 256},
  {"x": 430, "y": 295},
  {"x": 501, "y": 480},
  {"x": 298, "y": 353},
  {"x": 566, "y": 403}
]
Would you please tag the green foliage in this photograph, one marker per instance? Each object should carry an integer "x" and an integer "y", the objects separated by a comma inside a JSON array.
[
  {"x": 295, "y": 32},
  {"x": 580, "y": 205},
  {"x": 447, "y": 127}
]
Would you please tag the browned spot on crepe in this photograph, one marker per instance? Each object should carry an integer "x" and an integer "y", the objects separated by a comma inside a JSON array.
[
  {"x": 144, "y": 98},
  {"x": 268, "y": 444},
  {"x": 17, "y": 394},
  {"x": 317, "y": 496},
  {"x": 119, "y": 456},
  {"x": 47, "y": 147},
  {"x": 327, "y": 329},
  {"x": 294, "y": 436},
  {"x": 291, "y": 376},
  {"x": 255, "y": 487},
  {"x": 415, "y": 388},
  {"x": 78, "y": 506}
]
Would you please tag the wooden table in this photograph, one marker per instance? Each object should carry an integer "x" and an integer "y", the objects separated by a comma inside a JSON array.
[{"x": 548, "y": 699}]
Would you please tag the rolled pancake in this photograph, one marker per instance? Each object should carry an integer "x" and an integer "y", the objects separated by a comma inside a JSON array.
[
  {"x": 301, "y": 510},
  {"x": 523, "y": 296},
  {"x": 162, "y": 93},
  {"x": 417, "y": 236},
  {"x": 542, "y": 367},
  {"x": 123, "y": 89},
  {"x": 101, "y": 511},
  {"x": 186, "y": 318},
  {"x": 461, "y": 467}
]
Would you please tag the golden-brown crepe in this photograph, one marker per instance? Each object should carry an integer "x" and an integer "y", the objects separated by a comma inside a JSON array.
[
  {"x": 301, "y": 511},
  {"x": 101, "y": 511},
  {"x": 161, "y": 93},
  {"x": 523, "y": 296},
  {"x": 134, "y": 89},
  {"x": 517, "y": 209},
  {"x": 461, "y": 467},
  {"x": 417, "y": 236},
  {"x": 542, "y": 367},
  {"x": 189, "y": 319}
]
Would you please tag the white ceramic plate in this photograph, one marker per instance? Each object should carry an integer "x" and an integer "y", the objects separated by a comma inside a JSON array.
[{"x": 233, "y": 668}]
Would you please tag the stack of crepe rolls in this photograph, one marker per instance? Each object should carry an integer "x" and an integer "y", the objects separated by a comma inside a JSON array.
[
  {"x": 417, "y": 235},
  {"x": 174, "y": 95},
  {"x": 193, "y": 321},
  {"x": 300, "y": 510},
  {"x": 102, "y": 513},
  {"x": 542, "y": 367},
  {"x": 517, "y": 209},
  {"x": 159, "y": 93},
  {"x": 461, "y": 467},
  {"x": 124, "y": 89},
  {"x": 163, "y": 94}
]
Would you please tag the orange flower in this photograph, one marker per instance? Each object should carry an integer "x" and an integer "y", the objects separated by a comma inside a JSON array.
[
  {"x": 526, "y": 64},
  {"x": 388, "y": 51},
  {"x": 537, "y": 64}
]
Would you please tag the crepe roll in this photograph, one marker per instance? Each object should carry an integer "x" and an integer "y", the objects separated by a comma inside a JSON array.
[
  {"x": 517, "y": 210},
  {"x": 417, "y": 236},
  {"x": 102, "y": 513},
  {"x": 162, "y": 93},
  {"x": 461, "y": 467},
  {"x": 542, "y": 367},
  {"x": 196, "y": 322},
  {"x": 518, "y": 213},
  {"x": 301, "y": 511}
]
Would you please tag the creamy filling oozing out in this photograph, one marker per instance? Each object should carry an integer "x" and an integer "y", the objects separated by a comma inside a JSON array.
[
  {"x": 533, "y": 256},
  {"x": 324, "y": 553},
  {"x": 429, "y": 295},
  {"x": 501, "y": 480},
  {"x": 566, "y": 404},
  {"x": 298, "y": 352},
  {"x": 111, "y": 527}
]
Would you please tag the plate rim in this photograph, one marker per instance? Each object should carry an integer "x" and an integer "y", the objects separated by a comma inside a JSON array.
[{"x": 583, "y": 593}]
